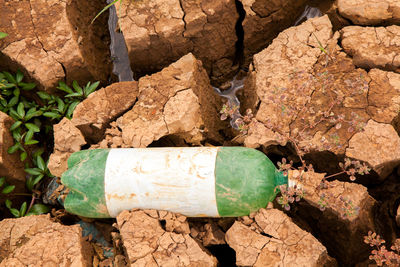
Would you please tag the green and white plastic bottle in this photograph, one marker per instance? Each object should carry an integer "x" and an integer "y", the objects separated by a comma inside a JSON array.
[{"x": 193, "y": 181}]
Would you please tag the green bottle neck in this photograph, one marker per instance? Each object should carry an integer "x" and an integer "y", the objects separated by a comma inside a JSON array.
[{"x": 281, "y": 178}]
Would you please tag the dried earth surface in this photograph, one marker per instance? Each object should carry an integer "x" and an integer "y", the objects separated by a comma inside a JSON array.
[
  {"x": 38, "y": 241},
  {"x": 270, "y": 238},
  {"x": 370, "y": 12},
  {"x": 334, "y": 94},
  {"x": 45, "y": 41},
  {"x": 321, "y": 100}
]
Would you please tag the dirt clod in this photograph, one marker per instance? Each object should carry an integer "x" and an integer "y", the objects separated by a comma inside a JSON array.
[
  {"x": 147, "y": 244},
  {"x": 275, "y": 240},
  {"x": 37, "y": 241}
]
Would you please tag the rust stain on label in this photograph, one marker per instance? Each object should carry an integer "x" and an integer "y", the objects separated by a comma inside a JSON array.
[
  {"x": 116, "y": 196},
  {"x": 169, "y": 185},
  {"x": 132, "y": 195}
]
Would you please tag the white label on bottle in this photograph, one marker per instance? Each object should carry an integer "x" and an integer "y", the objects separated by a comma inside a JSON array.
[{"x": 180, "y": 180}]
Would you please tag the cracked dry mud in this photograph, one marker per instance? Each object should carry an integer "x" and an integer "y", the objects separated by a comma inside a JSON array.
[
  {"x": 177, "y": 49},
  {"x": 294, "y": 82},
  {"x": 46, "y": 44}
]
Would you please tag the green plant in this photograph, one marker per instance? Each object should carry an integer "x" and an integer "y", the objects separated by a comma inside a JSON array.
[
  {"x": 6, "y": 187},
  {"x": 32, "y": 121},
  {"x": 380, "y": 254},
  {"x": 37, "y": 172},
  {"x": 57, "y": 107},
  {"x": 105, "y": 9},
  {"x": 3, "y": 35}
]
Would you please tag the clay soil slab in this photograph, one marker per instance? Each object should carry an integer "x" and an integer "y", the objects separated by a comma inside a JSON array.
[
  {"x": 370, "y": 12},
  {"x": 373, "y": 47},
  {"x": 322, "y": 101},
  {"x": 147, "y": 244},
  {"x": 159, "y": 32},
  {"x": 264, "y": 19},
  {"x": 343, "y": 213},
  {"x": 10, "y": 164},
  {"x": 274, "y": 240},
  {"x": 46, "y": 41},
  {"x": 176, "y": 101},
  {"x": 38, "y": 241}
]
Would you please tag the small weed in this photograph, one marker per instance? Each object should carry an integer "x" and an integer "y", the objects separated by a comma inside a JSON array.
[
  {"x": 32, "y": 121},
  {"x": 3, "y": 35},
  {"x": 105, "y": 9},
  {"x": 289, "y": 194},
  {"x": 305, "y": 117},
  {"x": 380, "y": 254}
]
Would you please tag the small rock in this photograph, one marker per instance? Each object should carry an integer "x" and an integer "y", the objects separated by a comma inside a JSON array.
[
  {"x": 38, "y": 241},
  {"x": 373, "y": 47},
  {"x": 384, "y": 97},
  {"x": 147, "y": 244},
  {"x": 10, "y": 165},
  {"x": 208, "y": 234},
  {"x": 378, "y": 145},
  {"x": 67, "y": 140},
  {"x": 246, "y": 243},
  {"x": 284, "y": 243},
  {"x": 348, "y": 214},
  {"x": 176, "y": 101},
  {"x": 93, "y": 115},
  {"x": 264, "y": 19},
  {"x": 370, "y": 12}
]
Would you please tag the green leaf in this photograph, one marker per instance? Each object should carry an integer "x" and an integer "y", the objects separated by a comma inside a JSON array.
[
  {"x": 2, "y": 181},
  {"x": 9, "y": 86},
  {"x": 19, "y": 76},
  {"x": 31, "y": 142},
  {"x": 77, "y": 88},
  {"x": 104, "y": 9},
  {"x": 60, "y": 105},
  {"x": 28, "y": 136},
  {"x": 71, "y": 109},
  {"x": 38, "y": 209},
  {"x": 16, "y": 92},
  {"x": 14, "y": 212},
  {"x": 8, "y": 203},
  {"x": 40, "y": 163},
  {"x": 15, "y": 125},
  {"x": 27, "y": 86},
  {"x": 52, "y": 115},
  {"x": 32, "y": 113},
  {"x": 91, "y": 88},
  {"x": 17, "y": 134},
  {"x": 13, "y": 101},
  {"x": 21, "y": 110},
  {"x": 23, "y": 156},
  {"x": 8, "y": 189},
  {"x": 32, "y": 127},
  {"x": 44, "y": 95},
  {"x": 13, "y": 149},
  {"x": 38, "y": 153},
  {"x": 3, "y": 35},
  {"x": 22, "y": 209},
  {"x": 73, "y": 95},
  {"x": 37, "y": 179},
  {"x": 33, "y": 171},
  {"x": 10, "y": 78},
  {"x": 63, "y": 87},
  {"x": 29, "y": 183}
]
